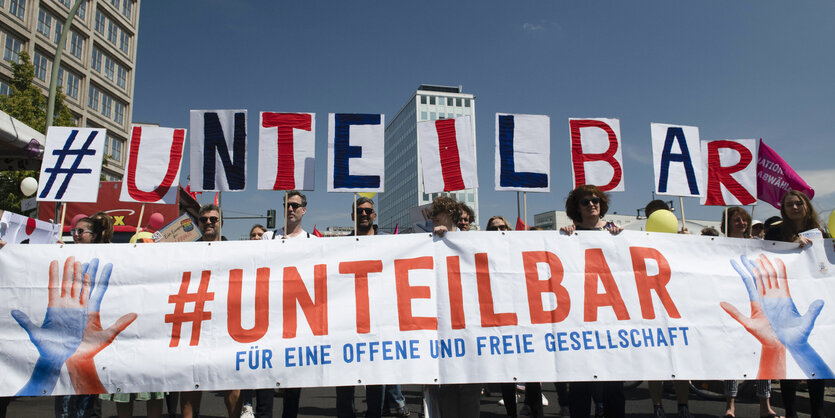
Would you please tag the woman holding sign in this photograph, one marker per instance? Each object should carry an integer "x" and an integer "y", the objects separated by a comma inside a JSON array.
[
  {"x": 736, "y": 223},
  {"x": 586, "y": 205},
  {"x": 798, "y": 216}
]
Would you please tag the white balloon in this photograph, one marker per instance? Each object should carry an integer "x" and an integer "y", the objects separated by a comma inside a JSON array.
[{"x": 29, "y": 186}]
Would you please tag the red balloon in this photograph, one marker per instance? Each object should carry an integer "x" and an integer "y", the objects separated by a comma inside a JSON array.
[{"x": 156, "y": 220}]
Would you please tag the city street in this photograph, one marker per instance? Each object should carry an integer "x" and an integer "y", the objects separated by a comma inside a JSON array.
[{"x": 320, "y": 402}]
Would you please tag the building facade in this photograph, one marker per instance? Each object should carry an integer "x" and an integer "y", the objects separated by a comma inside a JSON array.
[
  {"x": 404, "y": 189},
  {"x": 97, "y": 65}
]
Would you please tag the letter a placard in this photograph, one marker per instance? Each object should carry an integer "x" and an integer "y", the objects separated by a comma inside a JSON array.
[
  {"x": 153, "y": 171},
  {"x": 71, "y": 165},
  {"x": 677, "y": 160}
]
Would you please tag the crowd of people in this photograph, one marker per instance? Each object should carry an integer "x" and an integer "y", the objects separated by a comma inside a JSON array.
[{"x": 586, "y": 206}]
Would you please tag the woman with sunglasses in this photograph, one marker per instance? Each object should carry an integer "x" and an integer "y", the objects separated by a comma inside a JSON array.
[
  {"x": 498, "y": 223},
  {"x": 586, "y": 205},
  {"x": 93, "y": 229},
  {"x": 798, "y": 216}
]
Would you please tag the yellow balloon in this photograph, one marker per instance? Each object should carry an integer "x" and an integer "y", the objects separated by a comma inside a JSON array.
[
  {"x": 662, "y": 221},
  {"x": 142, "y": 236},
  {"x": 369, "y": 195},
  {"x": 832, "y": 223}
]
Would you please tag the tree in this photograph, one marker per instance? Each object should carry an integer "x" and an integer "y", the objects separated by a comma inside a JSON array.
[{"x": 27, "y": 104}]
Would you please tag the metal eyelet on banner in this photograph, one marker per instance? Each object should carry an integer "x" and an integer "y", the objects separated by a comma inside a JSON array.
[
  {"x": 196, "y": 386},
  {"x": 514, "y": 378},
  {"x": 359, "y": 381},
  {"x": 278, "y": 383},
  {"x": 595, "y": 377},
  {"x": 118, "y": 389},
  {"x": 436, "y": 380},
  {"x": 673, "y": 375}
]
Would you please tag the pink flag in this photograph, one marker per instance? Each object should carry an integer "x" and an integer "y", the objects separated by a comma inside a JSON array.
[{"x": 775, "y": 177}]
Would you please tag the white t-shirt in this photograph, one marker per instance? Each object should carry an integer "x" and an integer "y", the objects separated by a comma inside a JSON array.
[{"x": 280, "y": 232}]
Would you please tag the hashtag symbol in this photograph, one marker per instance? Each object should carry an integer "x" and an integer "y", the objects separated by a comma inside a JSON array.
[
  {"x": 197, "y": 316},
  {"x": 72, "y": 170}
]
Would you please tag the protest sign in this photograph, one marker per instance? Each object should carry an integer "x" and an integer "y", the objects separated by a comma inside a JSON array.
[
  {"x": 71, "y": 164},
  {"x": 286, "y": 150},
  {"x": 356, "y": 149},
  {"x": 218, "y": 150},
  {"x": 523, "y": 153},
  {"x": 447, "y": 155},
  {"x": 596, "y": 153}
]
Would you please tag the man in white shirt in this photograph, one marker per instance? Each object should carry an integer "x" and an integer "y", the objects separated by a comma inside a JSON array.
[{"x": 296, "y": 208}]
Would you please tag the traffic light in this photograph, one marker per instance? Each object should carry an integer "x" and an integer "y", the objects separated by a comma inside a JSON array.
[{"x": 270, "y": 218}]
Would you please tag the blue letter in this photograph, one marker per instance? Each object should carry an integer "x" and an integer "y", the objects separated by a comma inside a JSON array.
[{"x": 508, "y": 176}]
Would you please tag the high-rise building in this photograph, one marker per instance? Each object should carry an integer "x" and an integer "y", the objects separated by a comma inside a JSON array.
[
  {"x": 404, "y": 189},
  {"x": 97, "y": 65}
]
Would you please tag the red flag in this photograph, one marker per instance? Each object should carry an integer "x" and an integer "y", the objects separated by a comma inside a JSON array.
[
  {"x": 193, "y": 194},
  {"x": 316, "y": 232},
  {"x": 396, "y": 228},
  {"x": 216, "y": 195},
  {"x": 520, "y": 226}
]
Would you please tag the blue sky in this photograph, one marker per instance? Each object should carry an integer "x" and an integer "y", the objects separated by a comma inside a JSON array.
[{"x": 735, "y": 69}]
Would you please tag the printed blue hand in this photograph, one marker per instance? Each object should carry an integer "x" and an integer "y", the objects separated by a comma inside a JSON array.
[
  {"x": 80, "y": 365},
  {"x": 63, "y": 326},
  {"x": 792, "y": 328},
  {"x": 773, "y": 354}
]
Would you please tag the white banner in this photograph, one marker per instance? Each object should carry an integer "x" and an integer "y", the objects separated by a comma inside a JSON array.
[
  {"x": 523, "y": 153},
  {"x": 218, "y": 150},
  {"x": 447, "y": 155},
  {"x": 730, "y": 167},
  {"x": 471, "y": 307},
  {"x": 356, "y": 146},
  {"x": 677, "y": 160},
  {"x": 153, "y": 169},
  {"x": 286, "y": 151},
  {"x": 16, "y": 228},
  {"x": 71, "y": 164}
]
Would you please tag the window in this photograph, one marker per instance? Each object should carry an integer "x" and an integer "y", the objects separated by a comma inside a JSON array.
[
  {"x": 17, "y": 8},
  {"x": 76, "y": 42},
  {"x": 122, "y": 76},
  {"x": 115, "y": 3},
  {"x": 124, "y": 41},
  {"x": 106, "y": 104},
  {"x": 65, "y": 3},
  {"x": 96, "y": 60},
  {"x": 101, "y": 21},
  {"x": 108, "y": 67},
  {"x": 431, "y": 99},
  {"x": 93, "y": 99},
  {"x": 44, "y": 23},
  {"x": 4, "y": 88},
  {"x": 458, "y": 102},
  {"x": 82, "y": 10},
  {"x": 60, "y": 82},
  {"x": 40, "y": 66},
  {"x": 59, "y": 27},
  {"x": 422, "y": 99},
  {"x": 127, "y": 5},
  {"x": 12, "y": 51},
  {"x": 72, "y": 85},
  {"x": 111, "y": 32},
  {"x": 116, "y": 149},
  {"x": 466, "y": 102},
  {"x": 118, "y": 112}
]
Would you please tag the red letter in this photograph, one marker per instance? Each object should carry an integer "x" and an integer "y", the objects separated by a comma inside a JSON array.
[
  {"x": 489, "y": 317},
  {"x": 405, "y": 294},
  {"x": 360, "y": 270},
  {"x": 717, "y": 176},
  {"x": 596, "y": 266},
  {"x": 295, "y": 291},
  {"x": 646, "y": 283},
  {"x": 578, "y": 158},
  {"x": 456, "y": 293},
  {"x": 537, "y": 287},
  {"x": 285, "y": 178},
  {"x": 262, "y": 306},
  {"x": 174, "y": 157}
]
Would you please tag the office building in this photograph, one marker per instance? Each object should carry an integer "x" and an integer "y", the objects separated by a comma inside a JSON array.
[
  {"x": 404, "y": 188},
  {"x": 97, "y": 64}
]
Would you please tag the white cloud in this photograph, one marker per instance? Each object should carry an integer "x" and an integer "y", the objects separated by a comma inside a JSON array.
[
  {"x": 532, "y": 27},
  {"x": 821, "y": 181}
]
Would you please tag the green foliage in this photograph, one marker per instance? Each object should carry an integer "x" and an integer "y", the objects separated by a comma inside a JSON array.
[
  {"x": 27, "y": 104},
  {"x": 10, "y": 194}
]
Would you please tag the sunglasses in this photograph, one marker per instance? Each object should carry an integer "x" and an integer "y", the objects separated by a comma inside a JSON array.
[
  {"x": 587, "y": 201},
  {"x": 367, "y": 211},
  {"x": 81, "y": 231},
  {"x": 502, "y": 228},
  {"x": 208, "y": 219},
  {"x": 294, "y": 205}
]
